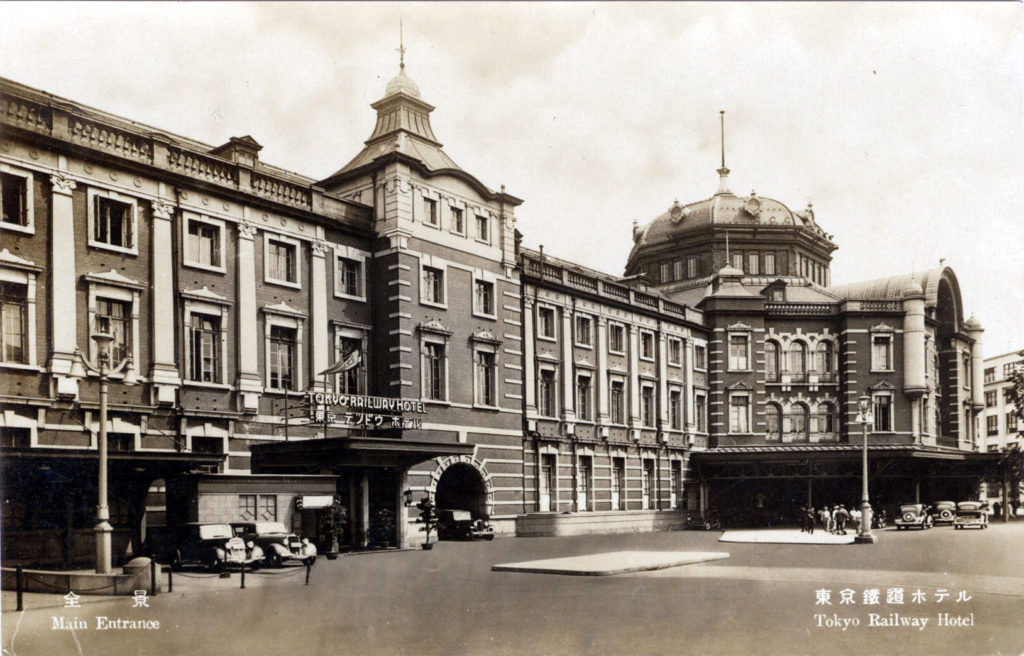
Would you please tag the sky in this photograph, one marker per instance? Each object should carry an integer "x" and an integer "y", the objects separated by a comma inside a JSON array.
[{"x": 902, "y": 123}]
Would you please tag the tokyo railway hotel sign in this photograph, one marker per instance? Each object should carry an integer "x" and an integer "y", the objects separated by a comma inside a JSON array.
[{"x": 368, "y": 412}]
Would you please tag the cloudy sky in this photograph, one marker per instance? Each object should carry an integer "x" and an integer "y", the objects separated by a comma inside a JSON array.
[{"x": 901, "y": 122}]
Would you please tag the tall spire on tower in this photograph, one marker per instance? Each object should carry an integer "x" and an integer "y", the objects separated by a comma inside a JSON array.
[
  {"x": 723, "y": 173},
  {"x": 401, "y": 45}
]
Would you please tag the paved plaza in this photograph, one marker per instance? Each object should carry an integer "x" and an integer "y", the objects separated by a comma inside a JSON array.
[{"x": 929, "y": 592}]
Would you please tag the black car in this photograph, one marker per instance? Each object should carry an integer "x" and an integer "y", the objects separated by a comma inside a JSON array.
[
  {"x": 214, "y": 546},
  {"x": 278, "y": 544},
  {"x": 460, "y": 525}
]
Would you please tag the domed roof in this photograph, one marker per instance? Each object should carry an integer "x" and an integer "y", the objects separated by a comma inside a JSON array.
[
  {"x": 913, "y": 289},
  {"x": 972, "y": 324},
  {"x": 402, "y": 83},
  {"x": 723, "y": 208}
]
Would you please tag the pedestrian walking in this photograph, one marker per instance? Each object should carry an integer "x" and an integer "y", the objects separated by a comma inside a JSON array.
[
  {"x": 833, "y": 510},
  {"x": 809, "y": 520},
  {"x": 841, "y": 518},
  {"x": 823, "y": 518}
]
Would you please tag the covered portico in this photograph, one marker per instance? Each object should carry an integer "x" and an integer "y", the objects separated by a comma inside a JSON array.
[
  {"x": 372, "y": 476},
  {"x": 766, "y": 485}
]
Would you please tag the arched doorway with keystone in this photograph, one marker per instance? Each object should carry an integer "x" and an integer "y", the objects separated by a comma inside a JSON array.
[{"x": 462, "y": 487}]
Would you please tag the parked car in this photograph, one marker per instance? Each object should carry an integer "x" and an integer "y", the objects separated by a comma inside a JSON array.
[
  {"x": 971, "y": 513},
  {"x": 707, "y": 522},
  {"x": 943, "y": 512},
  {"x": 460, "y": 525},
  {"x": 277, "y": 542},
  {"x": 913, "y": 515},
  {"x": 214, "y": 546}
]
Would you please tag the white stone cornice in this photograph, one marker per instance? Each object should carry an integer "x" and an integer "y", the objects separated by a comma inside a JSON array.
[
  {"x": 285, "y": 309},
  {"x": 114, "y": 278},
  {"x": 206, "y": 295},
  {"x": 10, "y": 260}
]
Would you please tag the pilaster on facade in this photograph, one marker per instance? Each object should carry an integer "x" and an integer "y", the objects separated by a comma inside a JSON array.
[
  {"x": 63, "y": 297},
  {"x": 663, "y": 422},
  {"x": 601, "y": 386},
  {"x": 250, "y": 384},
  {"x": 319, "y": 334},
  {"x": 634, "y": 382},
  {"x": 688, "y": 364},
  {"x": 164, "y": 374},
  {"x": 569, "y": 374},
  {"x": 529, "y": 358}
]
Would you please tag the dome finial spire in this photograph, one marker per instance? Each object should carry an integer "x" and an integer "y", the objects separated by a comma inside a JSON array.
[
  {"x": 723, "y": 173},
  {"x": 401, "y": 45}
]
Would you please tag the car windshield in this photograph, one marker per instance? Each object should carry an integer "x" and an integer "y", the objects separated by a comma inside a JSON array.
[
  {"x": 215, "y": 531},
  {"x": 265, "y": 528}
]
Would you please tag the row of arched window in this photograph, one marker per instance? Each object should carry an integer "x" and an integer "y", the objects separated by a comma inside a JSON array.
[
  {"x": 799, "y": 423},
  {"x": 796, "y": 361}
]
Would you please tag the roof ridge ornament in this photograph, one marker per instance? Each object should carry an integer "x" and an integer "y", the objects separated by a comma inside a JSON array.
[{"x": 401, "y": 45}]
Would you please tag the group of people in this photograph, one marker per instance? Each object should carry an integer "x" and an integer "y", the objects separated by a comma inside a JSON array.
[{"x": 833, "y": 518}]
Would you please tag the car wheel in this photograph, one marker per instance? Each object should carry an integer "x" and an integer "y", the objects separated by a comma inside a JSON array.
[
  {"x": 489, "y": 537},
  {"x": 274, "y": 559},
  {"x": 707, "y": 526}
]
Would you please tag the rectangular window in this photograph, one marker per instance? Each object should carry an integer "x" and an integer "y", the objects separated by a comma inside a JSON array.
[
  {"x": 966, "y": 357},
  {"x": 113, "y": 223},
  {"x": 666, "y": 272},
  {"x": 247, "y": 507},
  {"x": 990, "y": 399},
  {"x": 647, "y": 411},
  {"x": 700, "y": 357},
  {"x": 616, "y": 338},
  {"x": 677, "y": 270},
  {"x": 583, "y": 336},
  {"x": 675, "y": 351},
  {"x": 13, "y": 306},
  {"x": 675, "y": 409},
  {"x": 737, "y": 261},
  {"x": 350, "y": 381},
  {"x": 204, "y": 244},
  {"x": 675, "y": 484},
  {"x": 739, "y": 356},
  {"x": 204, "y": 349},
  {"x": 546, "y": 393},
  {"x": 430, "y": 211},
  {"x": 14, "y": 193},
  {"x": 546, "y": 322},
  {"x": 434, "y": 371},
  {"x": 458, "y": 221},
  {"x": 990, "y": 375},
  {"x": 691, "y": 267},
  {"x": 482, "y": 224},
  {"x": 114, "y": 318},
  {"x": 484, "y": 297},
  {"x": 282, "y": 261},
  {"x": 267, "y": 508},
  {"x": 992, "y": 424},
  {"x": 583, "y": 397},
  {"x": 350, "y": 277},
  {"x": 700, "y": 412},
  {"x": 485, "y": 383},
  {"x": 646, "y": 345},
  {"x": 585, "y": 483},
  {"x": 739, "y": 414},
  {"x": 433, "y": 285},
  {"x": 618, "y": 483},
  {"x": 1011, "y": 422},
  {"x": 769, "y": 264},
  {"x": 883, "y": 412},
  {"x": 752, "y": 263},
  {"x": 617, "y": 402},
  {"x": 881, "y": 353},
  {"x": 282, "y": 358},
  {"x": 646, "y": 484}
]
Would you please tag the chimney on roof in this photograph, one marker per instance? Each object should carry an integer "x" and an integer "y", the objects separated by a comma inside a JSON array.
[{"x": 240, "y": 150}]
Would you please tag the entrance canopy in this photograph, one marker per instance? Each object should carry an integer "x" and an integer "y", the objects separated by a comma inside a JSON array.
[{"x": 350, "y": 451}]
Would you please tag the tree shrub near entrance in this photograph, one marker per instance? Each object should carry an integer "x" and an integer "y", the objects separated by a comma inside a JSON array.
[{"x": 428, "y": 517}]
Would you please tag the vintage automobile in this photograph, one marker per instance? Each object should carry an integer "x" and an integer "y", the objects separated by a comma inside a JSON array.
[
  {"x": 460, "y": 525},
  {"x": 943, "y": 512},
  {"x": 913, "y": 515},
  {"x": 707, "y": 522},
  {"x": 214, "y": 546},
  {"x": 277, "y": 542},
  {"x": 971, "y": 513}
]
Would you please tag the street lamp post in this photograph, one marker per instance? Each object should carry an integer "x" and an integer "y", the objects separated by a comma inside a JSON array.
[
  {"x": 865, "y": 417},
  {"x": 103, "y": 529}
]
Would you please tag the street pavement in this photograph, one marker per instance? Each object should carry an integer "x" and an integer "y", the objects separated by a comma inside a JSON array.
[{"x": 763, "y": 599}]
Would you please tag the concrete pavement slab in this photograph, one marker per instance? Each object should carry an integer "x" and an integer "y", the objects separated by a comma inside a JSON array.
[
  {"x": 786, "y": 536},
  {"x": 614, "y": 562}
]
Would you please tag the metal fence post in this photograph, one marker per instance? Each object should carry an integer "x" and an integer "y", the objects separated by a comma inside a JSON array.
[
  {"x": 152, "y": 577},
  {"x": 243, "y": 575},
  {"x": 170, "y": 579},
  {"x": 307, "y": 571},
  {"x": 17, "y": 575}
]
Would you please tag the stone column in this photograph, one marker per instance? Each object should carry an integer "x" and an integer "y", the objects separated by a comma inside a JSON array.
[
  {"x": 662, "y": 385},
  {"x": 569, "y": 374},
  {"x": 601, "y": 386},
  {"x": 529, "y": 369},
  {"x": 318, "y": 330},
  {"x": 250, "y": 384},
  {"x": 62, "y": 286},
  {"x": 688, "y": 402},
  {"x": 634, "y": 381},
  {"x": 164, "y": 373}
]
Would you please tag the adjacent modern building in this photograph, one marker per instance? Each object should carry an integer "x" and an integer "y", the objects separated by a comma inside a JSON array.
[
  {"x": 382, "y": 333},
  {"x": 1001, "y": 426}
]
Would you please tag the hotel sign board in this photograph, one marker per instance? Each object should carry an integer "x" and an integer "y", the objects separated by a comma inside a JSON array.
[{"x": 368, "y": 412}]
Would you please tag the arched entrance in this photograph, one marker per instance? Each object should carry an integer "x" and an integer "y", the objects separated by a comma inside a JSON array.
[{"x": 461, "y": 487}]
